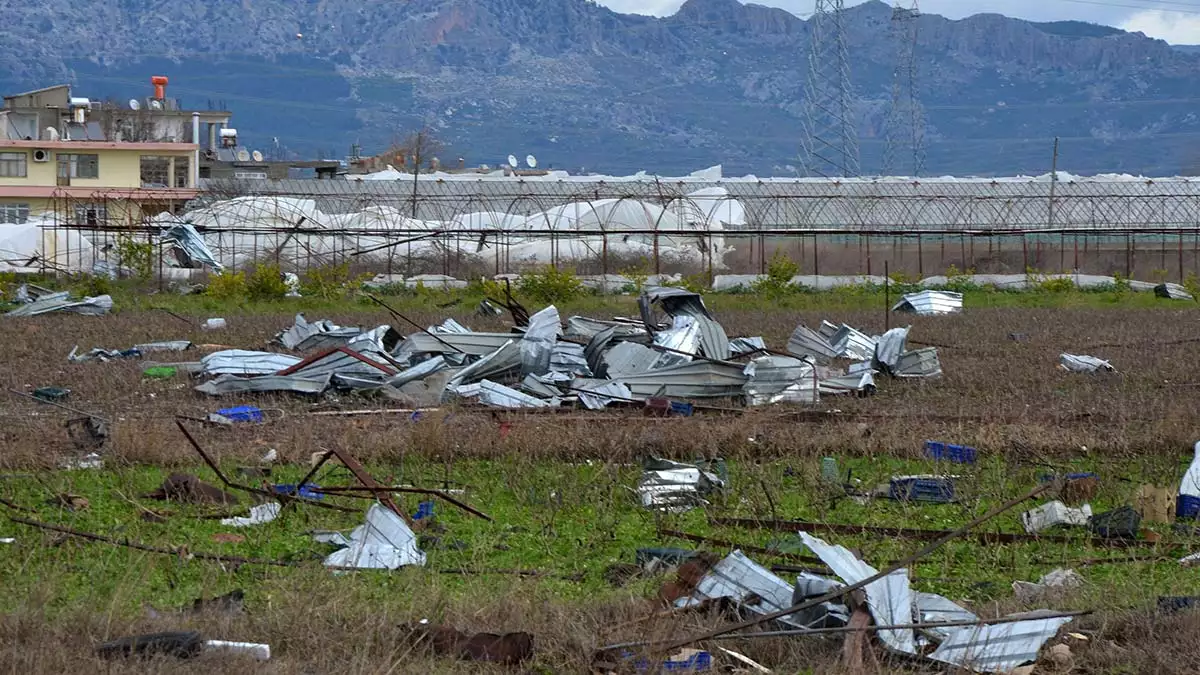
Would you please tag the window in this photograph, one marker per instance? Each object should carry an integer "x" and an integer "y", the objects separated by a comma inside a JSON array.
[
  {"x": 78, "y": 166},
  {"x": 156, "y": 171},
  {"x": 14, "y": 213},
  {"x": 183, "y": 177},
  {"x": 91, "y": 214},
  {"x": 12, "y": 164}
]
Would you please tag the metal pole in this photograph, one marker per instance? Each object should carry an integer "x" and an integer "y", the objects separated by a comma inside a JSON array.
[
  {"x": 1053, "y": 182},
  {"x": 887, "y": 297}
]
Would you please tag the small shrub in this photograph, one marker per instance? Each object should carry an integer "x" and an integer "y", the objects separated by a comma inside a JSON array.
[
  {"x": 266, "y": 283},
  {"x": 1121, "y": 283},
  {"x": 778, "y": 281},
  {"x": 1192, "y": 284},
  {"x": 1057, "y": 285},
  {"x": 227, "y": 286},
  {"x": 331, "y": 282},
  {"x": 638, "y": 278},
  {"x": 91, "y": 285},
  {"x": 137, "y": 256},
  {"x": 551, "y": 285},
  {"x": 960, "y": 281}
]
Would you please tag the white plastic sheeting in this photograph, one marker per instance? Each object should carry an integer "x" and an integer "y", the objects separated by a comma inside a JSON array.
[
  {"x": 36, "y": 244},
  {"x": 384, "y": 541}
]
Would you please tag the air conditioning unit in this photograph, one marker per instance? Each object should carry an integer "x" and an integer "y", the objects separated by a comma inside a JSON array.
[{"x": 41, "y": 155}]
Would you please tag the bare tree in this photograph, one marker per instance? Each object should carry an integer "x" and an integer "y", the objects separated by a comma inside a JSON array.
[{"x": 420, "y": 147}]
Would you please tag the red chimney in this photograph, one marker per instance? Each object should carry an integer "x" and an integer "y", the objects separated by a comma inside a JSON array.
[{"x": 160, "y": 86}]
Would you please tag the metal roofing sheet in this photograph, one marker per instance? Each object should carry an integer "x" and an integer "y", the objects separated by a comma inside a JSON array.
[
  {"x": 890, "y": 347},
  {"x": 474, "y": 344},
  {"x": 850, "y": 343},
  {"x": 746, "y": 345},
  {"x": 499, "y": 396},
  {"x": 59, "y": 302},
  {"x": 503, "y": 360},
  {"x": 600, "y": 392},
  {"x": 919, "y": 363},
  {"x": 930, "y": 303},
  {"x": 231, "y": 384},
  {"x": 698, "y": 379},
  {"x": 998, "y": 648},
  {"x": 343, "y": 361},
  {"x": 805, "y": 342},
  {"x": 243, "y": 362},
  {"x": 1078, "y": 363},
  {"x": 383, "y": 541},
  {"x": 538, "y": 341},
  {"x": 780, "y": 379},
  {"x": 752, "y": 586},
  {"x": 713, "y": 340}
]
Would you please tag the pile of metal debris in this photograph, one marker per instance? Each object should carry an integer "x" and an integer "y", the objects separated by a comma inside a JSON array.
[
  {"x": 682, "y": 354},
  {"x": 34, "y": 300}
]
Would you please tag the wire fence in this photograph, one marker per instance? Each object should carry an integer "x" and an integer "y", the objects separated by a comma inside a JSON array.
[{"x": 465, "y": 228}]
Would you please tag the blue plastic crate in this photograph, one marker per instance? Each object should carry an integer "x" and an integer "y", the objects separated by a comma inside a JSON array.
[
  {"x": 960, "y": 454},
  {"x": 698, "y": 662},
  {"x": 242, "y": 413},
  {"x": 1047, "y": 477},
  {"x": 937, "y": 490},
  {"x": 424, "y": 510},
  {"x": 1187, "y": 507},
  {"x": 305, "y": 491}
]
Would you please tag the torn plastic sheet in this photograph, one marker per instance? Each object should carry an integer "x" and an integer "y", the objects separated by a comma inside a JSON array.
[
  {"x": 242, "y": 362},
  {"x": 499, "y": 396},
  {"x": 746, "y": 345},
  {"x": 780, "y": 379},
  {"x": 998, "y": 648},
  {"x": 890, "y": 598},
  {"x": 599, "y": 393},
  {"x": 60, "y": 302},
  {"x": 1055, "y": 513},
  {"x": 384, "y": 541},
  {"x": 231, "y": 384},
  {"x": 1077, "y": 363},
  {"x": 930, "y": 303},
  {"x": 190, "y": 247},
  {"x": 538, "y": 341},
  {"x": 750, "y": 585},
  {"x": 263, "y": 513}
]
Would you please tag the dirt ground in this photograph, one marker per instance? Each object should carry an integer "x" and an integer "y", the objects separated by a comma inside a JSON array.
[{"x": 1001, "y": 393}]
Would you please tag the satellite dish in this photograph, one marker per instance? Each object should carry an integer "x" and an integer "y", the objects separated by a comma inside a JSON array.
[
  {"x": 531, "y": 161},
  {"x": 257, "y": 156},
  {"x": 512, "y": 161},
  {"x": 135, "y": 104},
  {"x": 155, "y": 104},
  {"x": 243, "y": 156}
]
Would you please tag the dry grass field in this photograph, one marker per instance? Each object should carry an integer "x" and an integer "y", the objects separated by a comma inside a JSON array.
[{"x": 559, "y": 488}]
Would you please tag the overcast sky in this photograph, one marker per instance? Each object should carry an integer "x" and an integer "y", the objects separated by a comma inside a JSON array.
[{"x": 1176, "y": 21}]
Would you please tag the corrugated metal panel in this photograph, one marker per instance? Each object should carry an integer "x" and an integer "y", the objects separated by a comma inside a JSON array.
[
  {"x": 998, "y": 648},
  {"x": 192, "y": 244},
  {"x": 628, "y": 359},
  {"x": 499, "y": 396},
  {"x": 242, "y": 362},
  {"x": 537, "y": 387},
  {"x": 847, "y": 384},
  {"x": 890, "y": 598},
  {"x": 930, "y": 303},
  {"x": 538, "y": 341},
  {"x": 919, "y": 363},
  {"x": 698, "y": 379},
  {"x": 933, "y": 608},
  {"x": 890, "y": 347},
  {"x": 474, "y": 344},
  {"x": 343, "y": 361},
  {"x": 231, "y": 384},
  {"x": 747, "y": 583},
  {"x": 804, "y": 342},
  {"x": 713, "y": 340},
  {"x": 683, "y": 336},
  {"x": 602, "y": 392},
  {"x": 59, "y": 302},
  {"x": 567, "y": 357},
  {"x": 850, "y": 343},
  {"x": 1172, "y": 292},
  {"x": 506, "y": 359},
  {"x": 418, "y": 372},
  {"x": 587, "y": 328},
  {"x": 384, "y": 541},
  {"x": 780, "y": 379},
  {"x": 828, "y": 330},
  {"x": 746, "y": 345},
  {"x": 168, "y": 346}
]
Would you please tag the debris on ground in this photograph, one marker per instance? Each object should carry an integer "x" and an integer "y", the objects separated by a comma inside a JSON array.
[
  {"x": 215, "y": 323},
  {"x": 1187, "y": 506},
  {"x": 134, "y": 352},
  {"x": 241, "y": 413},
  {"x": 1076, "y": 363},
  {"x": 675, "y": 487},
  {"x": 383, "y": 541},
  {"x": 923, "y": 488},
  {"x": 263, "y": 513},
  {"x": 179, "y": 644},
  {"x": 1077, "y": 488},
  {"x": 948, "y": 452},
  {"x": 1120, "y": 523},
  {"x": 91, "y": 460},
  {"x": 930, "y": 303},
  {"x": 233, "y": 602},
  {"x": 1172, "y": 292},
  {"x": 87, "y": 433},
  {"x": 188, "y": 489},
  {"x": 51, "y": 394},
  {"x": 46, "y": 303},
  {"x": 1052, "y": 585},
  {"x": 1156, "y": 504},
  {"x": 69, "y": 502},
  {"x": 508, "y": 649},
  {"x": 1054, "y": 514}
]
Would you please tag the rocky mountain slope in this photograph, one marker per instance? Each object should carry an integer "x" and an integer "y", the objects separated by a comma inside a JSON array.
[{"x": 581, "y": 86}]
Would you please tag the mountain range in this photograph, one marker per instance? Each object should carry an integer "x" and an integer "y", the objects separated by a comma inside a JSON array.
[{"x": 583, "y": 87}]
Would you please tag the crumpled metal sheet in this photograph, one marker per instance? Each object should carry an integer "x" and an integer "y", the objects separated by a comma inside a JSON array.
[
  {"x": 599, "y": 393},
  {"x": 60, "y": 302},
  {"x": 263, "y": 513},
  {"x": 1084, "y": 364},
  {"x": 682, "y": 336},
  {"x": 933, "y": 608},
  {"x": 676, "y": 487},
  {"x": 242, "y": 362},
  {"x": 568, "y": 357},
  {"x": 919, "y": 363},
  {"x": 697, "y": 379},
  {"x": 540, "y": 386},
  {"x": 499, "y": 396},
  {"x": 503, "y": 361},
  {"x": 780, "y": 379},
  {"x": 853, "y": 383},
  {"x": 627, "y": 359},
  {"x": 232, "y": 384},
  {"x": 383, "y": 541},
  {"x": 850, "y": 343},
  {"x": 805, "y": 342},
  {"x": 418, "y": 372},
  {"x": 1172, "y": 292},
  {"x": 930, "y": 303},
  {"x": 359, "y": 360},
  {"x": 674, "y": 301},
  {"x": 538, "y": 341},
  {"x": 746, "y": 345},
  {"x": 193, "y": 247},
  {"x": 472, "y": 344},
  {"x": 586, "y": 328},
  {"x": 714, "y": 343},
  {"x": 752, "y": 586},
  {"x": 304, "y": 335},
  {"x": 890, "y": 599},
  {"x": 890, "y": 347},
  {"x": 134, "y": 352},
  {"x": 998, "y": 648}
]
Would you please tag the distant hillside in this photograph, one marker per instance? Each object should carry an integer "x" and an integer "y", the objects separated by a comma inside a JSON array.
[{"x": 581, "y": 86}]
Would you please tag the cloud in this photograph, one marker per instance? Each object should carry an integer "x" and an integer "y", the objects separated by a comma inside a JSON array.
[{"x": 1174, "y": 27}]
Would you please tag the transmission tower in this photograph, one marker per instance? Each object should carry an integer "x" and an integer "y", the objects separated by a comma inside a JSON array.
[
  {"x": 904, "y": 144},
  {"x": 830, "y": 130}
]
